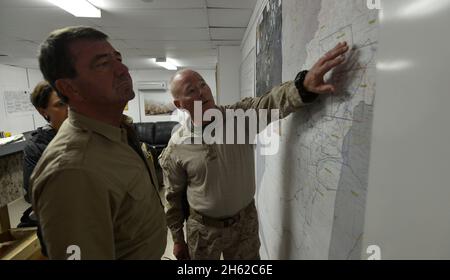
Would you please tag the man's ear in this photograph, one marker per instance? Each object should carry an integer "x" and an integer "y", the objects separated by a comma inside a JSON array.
[
  {"x": 43, "y": 114},
  {"x": 177, "y": 104},
  {"x": 67, "y": 88}
]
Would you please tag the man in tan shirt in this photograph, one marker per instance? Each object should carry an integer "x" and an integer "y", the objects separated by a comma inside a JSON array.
[
  {"x": 94, "y": 192},
  {"x": 218, "y": 180}
]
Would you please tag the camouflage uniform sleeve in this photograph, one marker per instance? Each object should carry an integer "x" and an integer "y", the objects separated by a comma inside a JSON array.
[
  {"x": 284, "y": 97},
  {"x": 175, "y": 184}
]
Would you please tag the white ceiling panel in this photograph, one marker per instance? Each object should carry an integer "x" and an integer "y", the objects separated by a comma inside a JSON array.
[
  {"x": 192, "y": 53},
  {"x": 234, "y": 4},
  {"x": 36, "y": 23},
  {"x": 194, "y": 57},
  {"x": 189, "y": 30},
  {"x": 139, "y": 63},
  {"x": 169, "y": 45},
  {"x": 18, "y": 48},
  {"x": 202, "y": 62},
  {"x": 229, "y": 17},
  {"x": 226, "y": 43},
  {"x": 26, "y": 3},
  {"x": 147, "y": 63},
  {"x": 170, "y": 18},
  {"x": 152, "y": 34},
  {"x": 118, "y": 5},
  {"x": 127, "y": 52},
  {"x": 20, "y": 62},
  {"x": 118, "y": 44},
  {"x": 227, "y": 33}
]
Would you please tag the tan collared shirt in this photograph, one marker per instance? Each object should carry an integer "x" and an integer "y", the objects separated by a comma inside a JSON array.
[
  {"x": 92, "y": 189},
  {"x": 219, "y": 179}
]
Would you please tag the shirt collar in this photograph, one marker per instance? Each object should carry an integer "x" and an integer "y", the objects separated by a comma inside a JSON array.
[{"x": 113, "y": 133}]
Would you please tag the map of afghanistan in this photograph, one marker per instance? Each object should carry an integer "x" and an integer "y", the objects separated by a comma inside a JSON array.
[{"x": 311, "y": 195}]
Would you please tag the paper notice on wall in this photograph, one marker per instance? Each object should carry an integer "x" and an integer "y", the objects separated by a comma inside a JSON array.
[{"x": 17, "y": 102}]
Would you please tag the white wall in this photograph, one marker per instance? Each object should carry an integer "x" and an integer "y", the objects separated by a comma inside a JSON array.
[
  {"x": 138, "y": 76},
  {"x": 17, "y": 78},
  {"x": 229, "y": 60},
  {"x": 408, "y": 205},
  {"x": 134, "y": 109}
]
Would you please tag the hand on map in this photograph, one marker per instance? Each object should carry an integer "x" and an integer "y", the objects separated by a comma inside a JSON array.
[{"x": 314, "y": 81}]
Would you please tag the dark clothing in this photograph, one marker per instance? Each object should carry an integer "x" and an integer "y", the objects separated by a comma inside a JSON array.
[
  {"x": 40, "y": 138},
  {"x": 33, "y": 152}
]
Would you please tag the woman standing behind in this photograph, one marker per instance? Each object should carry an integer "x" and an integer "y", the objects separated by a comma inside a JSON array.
[
  {"x": 49, "y": 105},
  {"x": 46, "y": 101}
]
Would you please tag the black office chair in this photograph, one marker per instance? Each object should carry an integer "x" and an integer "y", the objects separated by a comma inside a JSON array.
[{"x": 156, "y": 136}]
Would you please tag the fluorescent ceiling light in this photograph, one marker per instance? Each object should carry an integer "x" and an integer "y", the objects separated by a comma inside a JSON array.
[
  {"x": 166, "y": 63},
  {"x": 78, "y": 8},
  {"x": 395, "y": 65},
  {"x": 423, "y": 7}
]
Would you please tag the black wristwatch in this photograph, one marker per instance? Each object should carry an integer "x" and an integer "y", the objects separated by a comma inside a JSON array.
[{"x": 306, "y": 96}]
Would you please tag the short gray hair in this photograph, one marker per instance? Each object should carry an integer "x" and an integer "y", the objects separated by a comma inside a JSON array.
[{"x": 55, "y": 60}]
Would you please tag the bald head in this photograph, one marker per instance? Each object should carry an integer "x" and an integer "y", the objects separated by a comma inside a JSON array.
[
  {"x": 177, "y": 80},
  {"x": 187, "y": 87}
]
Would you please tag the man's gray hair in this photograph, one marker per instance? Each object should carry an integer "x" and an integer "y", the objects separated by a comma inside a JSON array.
[{"x": 55, "y": 60}]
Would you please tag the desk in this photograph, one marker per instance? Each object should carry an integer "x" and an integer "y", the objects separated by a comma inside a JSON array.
[
  {"x": 11, "y": 179},
  {"x": 12, "y": 148},
  {"x": 23, "y": 244}
]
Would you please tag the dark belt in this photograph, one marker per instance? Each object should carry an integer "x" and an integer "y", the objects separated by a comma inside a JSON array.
[{"x": 218, "y": 222}]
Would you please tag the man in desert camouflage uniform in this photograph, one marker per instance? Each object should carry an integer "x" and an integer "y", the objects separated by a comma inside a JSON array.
[{"x": 218, "y": 180}]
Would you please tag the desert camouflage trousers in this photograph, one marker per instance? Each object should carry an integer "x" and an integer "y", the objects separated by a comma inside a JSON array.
[{"x": 235, "y": 237}]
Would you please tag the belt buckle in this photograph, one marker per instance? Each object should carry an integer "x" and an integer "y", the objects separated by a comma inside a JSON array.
[
  {"x": 227, "y": 223},
  {"x": 230, "y": 221}
]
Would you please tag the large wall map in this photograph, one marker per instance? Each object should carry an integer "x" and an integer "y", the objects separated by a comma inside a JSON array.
[{"x": 311, "y": 195}]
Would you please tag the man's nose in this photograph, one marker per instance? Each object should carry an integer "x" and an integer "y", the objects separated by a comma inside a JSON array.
[{"x": 120, "y": 68}]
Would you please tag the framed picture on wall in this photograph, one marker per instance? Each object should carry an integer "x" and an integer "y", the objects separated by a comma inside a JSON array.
[{"x": 156, "y": 106}]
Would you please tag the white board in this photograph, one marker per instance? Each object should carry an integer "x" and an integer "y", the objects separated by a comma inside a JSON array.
[{"x": 408, "y": 207}]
